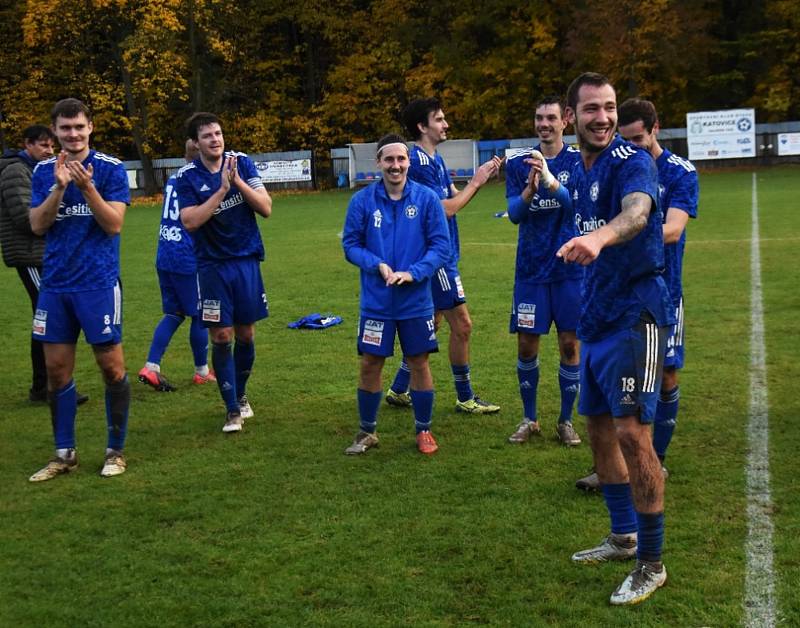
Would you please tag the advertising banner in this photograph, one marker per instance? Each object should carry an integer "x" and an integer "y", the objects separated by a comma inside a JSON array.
[
  {"x": 788, "y": 144},
  {"x": 728, "y": 134},
  {"x": 284, "y": 171}
]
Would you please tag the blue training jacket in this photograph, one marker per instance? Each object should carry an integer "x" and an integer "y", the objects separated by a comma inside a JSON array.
[{"x": 409, "y": 234}]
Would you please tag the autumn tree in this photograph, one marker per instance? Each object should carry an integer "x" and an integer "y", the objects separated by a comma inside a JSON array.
[
  {"x": 315, "y": 74},
  {"x": 657, "y": 50},
  {"x": 777, "y": 46}
]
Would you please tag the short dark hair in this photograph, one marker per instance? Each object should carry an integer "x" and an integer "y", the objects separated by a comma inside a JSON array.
[
  {"x": 69, "y": 108},
  {"x": 587, "y": 78},
  {"x": 391, "y": 138},
  {"x": 635, "y": 109},
  {"x": 551, "y": 99},
  {"x": 197, "y": 120},
  {"x": 417, "y": 112},
  {"x": 37, "y": 132}
]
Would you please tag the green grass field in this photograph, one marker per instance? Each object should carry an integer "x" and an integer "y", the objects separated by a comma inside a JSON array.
[{"x": 275, "y": 526}]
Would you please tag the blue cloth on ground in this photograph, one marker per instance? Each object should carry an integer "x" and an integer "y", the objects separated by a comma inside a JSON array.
[{"x": 315, "y": 321}]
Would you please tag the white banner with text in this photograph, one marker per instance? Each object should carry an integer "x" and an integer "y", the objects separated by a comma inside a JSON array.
[
  {"x": 284, "y": 171},
  {"x": 727, "y": 134}
]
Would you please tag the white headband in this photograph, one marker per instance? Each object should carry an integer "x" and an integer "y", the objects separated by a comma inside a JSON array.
[{"x": 380, "y": 150}]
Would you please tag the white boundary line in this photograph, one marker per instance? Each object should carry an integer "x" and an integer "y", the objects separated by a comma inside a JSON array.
[
  {"x": 759, "y": 585},
  {"x": 688, "y": 242}
]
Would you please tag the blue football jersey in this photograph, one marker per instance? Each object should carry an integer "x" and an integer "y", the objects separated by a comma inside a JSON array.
[
  {"x": 175, "y": 246},
  {"x": 546, "y": 225},
  {"x": 78, "y": 254},
  {"x": 232, "y": 230},
  {"x": 627, "y": 278},
  {"x": 432, "y": 173},
  {"x": 677, "y": 187}
]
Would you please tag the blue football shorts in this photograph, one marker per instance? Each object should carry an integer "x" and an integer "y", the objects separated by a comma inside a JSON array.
[
  {"x": 674, "y": 358},
  {"x": 537, "y": 305},
  {"x": 60, "y": 316},
  {"x": 232, "y": 293},
  {"x": 180, "y": 293},
  {"x": 376, "y": 335},
  {"x": 446, "y": 288},
  {"x": 621, "y": 374}
]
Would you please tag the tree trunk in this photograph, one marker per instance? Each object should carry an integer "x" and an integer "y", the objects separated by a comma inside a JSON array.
[{"x": 137, "y": 128}]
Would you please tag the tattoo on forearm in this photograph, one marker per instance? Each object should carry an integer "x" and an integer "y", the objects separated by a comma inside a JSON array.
[{"x": 633, "y": 217}]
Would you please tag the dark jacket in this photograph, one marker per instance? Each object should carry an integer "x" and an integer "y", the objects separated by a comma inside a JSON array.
[{"x": 20, "y": 246}]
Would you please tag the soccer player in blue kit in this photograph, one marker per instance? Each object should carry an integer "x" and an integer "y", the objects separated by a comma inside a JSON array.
[
  {"x": 395, "y": 232},
  {"x": 678, "y": 195},
  {"x": 425, "y": 121},
  {"x": 78, "y": 201},
  {"x": 625, "y": 315},
  {"x": 546, "y": 290},
  {"x": 678, "y": 191},
  {"x": 177, "y": 278},
  {"x": 219, "y": 195}
]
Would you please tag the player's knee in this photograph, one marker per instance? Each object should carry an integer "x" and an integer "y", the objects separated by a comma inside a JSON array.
[
  {"x": 113, "y": 373},
  {"x": 569, "y": 350},
  {"x": 527, "y": 345},
  {"x": 462, "y": 328},
  {"x": 417, "y": 363},
  {"x": 632, "y": 440},
  {"x": 221, "y": 335},
  {"x": 245, "y": 335},
  {"x": 602, "y": 434},
  {"x": 670, "y": 378},
  {"x": 370, "y": 372},
  {"x": 57, "y": 376},
  {"x": 371, "y": 362}
]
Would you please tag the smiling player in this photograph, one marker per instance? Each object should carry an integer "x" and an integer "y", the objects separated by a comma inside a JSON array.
[
  {"x": 395, "y": 232},
  {"x": 219, "y": 195},
  {"x": 79, "y": 200}
]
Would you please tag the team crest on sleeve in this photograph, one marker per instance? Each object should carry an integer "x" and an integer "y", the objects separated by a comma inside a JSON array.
[
  {"x": 376, "y": 218},
  {"x": 594, "y": 191},
  {"x": 411, "y": 211}
]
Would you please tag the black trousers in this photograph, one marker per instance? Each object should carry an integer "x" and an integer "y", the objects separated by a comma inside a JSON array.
[{"x": 30, "y": 276}]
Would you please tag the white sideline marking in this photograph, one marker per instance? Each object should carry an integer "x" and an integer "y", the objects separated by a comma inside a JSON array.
[
  {"x": 759, "y": 595},
  {"x": 688, "y": 242}
]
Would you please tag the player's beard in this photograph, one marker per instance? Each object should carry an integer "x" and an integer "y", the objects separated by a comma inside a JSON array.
[
  {"x": 589, "y": 145},
  {"x": 550, "y": 140}
]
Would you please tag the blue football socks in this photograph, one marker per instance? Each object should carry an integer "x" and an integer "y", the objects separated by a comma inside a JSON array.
[
  {"x": 651, "y": 536},
  {"x": 402, "y": 379},
  {"x": 222, "y": 359},
  {"x": 118, "y": 401},
  {"x": 569, "y": 383},
  {"x": 422, "y": 402},
  {"x": 462, "y": 381},
  {"x": 244, "y": 355},
  {"x": 63, "y": 407},
  {"x": 198, "y": 339},
  {"x": 666, "y": 417},
  {"x": 162, "y": 335},
  {"x": 368, "y": 403},
  {"x": 528, "y": 376},
  {"x": 619, "y": 501}
]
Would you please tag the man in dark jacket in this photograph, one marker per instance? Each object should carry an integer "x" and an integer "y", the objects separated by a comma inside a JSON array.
[{"x": 22, "y": 249}]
